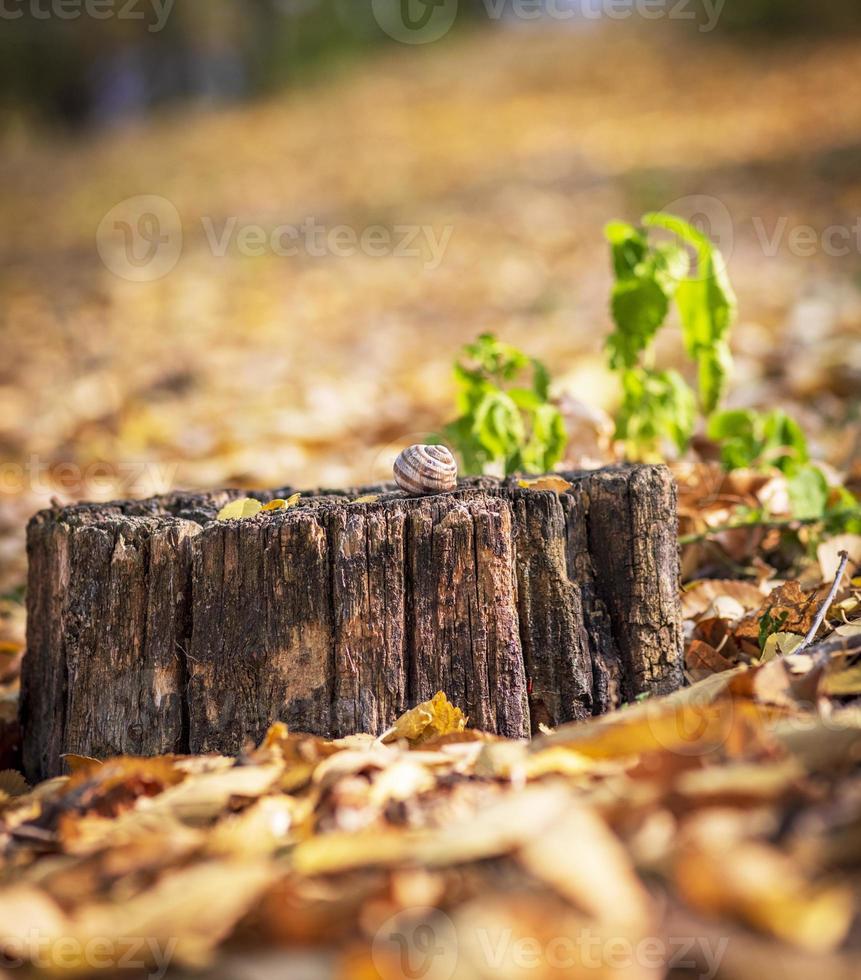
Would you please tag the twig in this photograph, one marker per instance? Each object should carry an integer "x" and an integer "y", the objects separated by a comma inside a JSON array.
[
  {"x": 811, "y": 633},
  {"x": 767, "y": 525}
]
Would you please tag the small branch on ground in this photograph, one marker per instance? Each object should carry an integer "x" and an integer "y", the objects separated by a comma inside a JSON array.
[
  {"x": 790, "y": 523},
  {"x": 826, "y": 605}
]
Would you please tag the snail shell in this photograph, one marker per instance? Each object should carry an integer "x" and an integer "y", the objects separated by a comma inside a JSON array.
[{"x": 426, "y": 470}]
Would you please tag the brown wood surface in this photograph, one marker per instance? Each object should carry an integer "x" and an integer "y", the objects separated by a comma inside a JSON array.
[{"x": 154, "y": 628}]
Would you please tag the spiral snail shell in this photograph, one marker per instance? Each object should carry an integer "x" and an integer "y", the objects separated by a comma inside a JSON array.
[{"x": 425, "y": 470}]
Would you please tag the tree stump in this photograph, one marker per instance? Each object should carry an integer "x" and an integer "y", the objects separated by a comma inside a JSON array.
[{"x": 154, "y": 628}]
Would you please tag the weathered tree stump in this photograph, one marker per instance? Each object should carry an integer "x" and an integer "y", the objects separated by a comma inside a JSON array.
[{"x": 154, "y": 628}]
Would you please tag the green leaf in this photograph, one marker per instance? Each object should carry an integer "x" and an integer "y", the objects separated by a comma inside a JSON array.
[
  {"x": 808, "y": 493},
  {"x": 735, "y": 433},
  {"x": 751, "y": 439},
  {"x": 525, "y": 398},
  {"x": 497, "y": 425},
  {"x": 670, "y": 264},
  {"x": 769, "y": 625},
  {"x": 707, "y": 307},
  {"x": 505, "y": 416},
  {"x": 639, "y": 307},
  {"x": 784, "y": 443},
  {"x": 540, "y": 380},
  {"x": 629, "y": 246},
  {"x": 658, "y": 408},
  {"x": 843, "y": 513},
  {"x": 548, "y": 440},
  {"x": 707, "y": 310}
]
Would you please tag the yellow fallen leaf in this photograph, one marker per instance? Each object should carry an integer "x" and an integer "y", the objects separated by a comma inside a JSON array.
[
  {"x": 741, "y": 783},
  {"x": 80, "y": 763},
  {"x": 780, "y": 645},
  {"x": 690, "y": 727},
  {"x": 828, "y": 554},
  {"x": 257, "y": 831},
  {"x": 843, "y": 683},
  {"x": 823, "y": 744},
  {"x": 497, "y": 829},
  {"x": 280, "y": 504},
  {"x": 554, "y": 483},
  {"x": 236, "y": 510},
  {"x": 852, "y": 628},
  {"x": 435, "y": 717},
  {"x": 767, "y": 890},
  {"x": 582, "y": 860},
  {"x": 186, "y": 913},
  {"x": 277, "y": 733},
  {"x": 402, "y": 781},
  {"x": 342, "y": 851},
  {"x": 561, "y": 761},
  {"x": 203, "y": 797},
  {"x": 502, "y": 760},
  {"x": 369, "y": 498}
]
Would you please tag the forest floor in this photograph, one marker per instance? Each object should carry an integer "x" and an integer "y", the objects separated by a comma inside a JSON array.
[{"x": 505, "y": 153}]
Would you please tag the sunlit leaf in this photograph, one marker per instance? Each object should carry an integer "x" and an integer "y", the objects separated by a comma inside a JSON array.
[
  {"x": 238, "y": 509},
  {"x": 555, "y": 483},
  {"x": 435, "y": 717}
]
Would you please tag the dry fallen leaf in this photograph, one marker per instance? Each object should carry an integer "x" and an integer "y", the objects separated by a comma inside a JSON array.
[
  {"x": 701, "y": 659},
  {"x": 843, "y": 683},
  {"x": 99, "y": 838},
  {"x": 80, "y": 763},
  {"x": 236, "y": 510},
  {"x": 763, "y": 888},
  {"x": 555, "y": 483},
  {"x": 429, "y": 719},
  {"x": 852, "y": 628},
  {"x": 202, "y": 797},
  {"x": 789, "y": 608},
  {"x": 828, "y": 553},
  {"x": 700, "y": 597},
  {"x": 780, "y": 645},
  {"x": 12, "y": 783},
  {"x": 579, "y": 857}
]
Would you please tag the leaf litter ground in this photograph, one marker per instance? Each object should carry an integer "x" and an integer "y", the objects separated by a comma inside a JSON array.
[{"x": 714, "y": 831}]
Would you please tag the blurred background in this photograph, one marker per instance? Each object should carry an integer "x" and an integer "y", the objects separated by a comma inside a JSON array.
[{"x": 244, "y": 240}]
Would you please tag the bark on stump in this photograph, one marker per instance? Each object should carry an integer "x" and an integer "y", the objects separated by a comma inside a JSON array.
[{"x": 154, "y": 628}]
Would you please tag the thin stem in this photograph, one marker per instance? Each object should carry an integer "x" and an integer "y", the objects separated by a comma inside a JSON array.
[
  {"x": 764, "y": 525},
  {"x": 811, "y": 633}
]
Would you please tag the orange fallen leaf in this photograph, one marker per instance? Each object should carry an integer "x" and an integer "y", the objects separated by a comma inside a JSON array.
[
  {"x": 435, "y": 717},
  {"x": 555, "y": 483},
  {"x": 701, "y": 659},
  {"x": 789, "y": 608}
]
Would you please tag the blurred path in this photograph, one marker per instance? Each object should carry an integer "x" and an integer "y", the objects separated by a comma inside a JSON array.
[{"x": 504, "y": 154}]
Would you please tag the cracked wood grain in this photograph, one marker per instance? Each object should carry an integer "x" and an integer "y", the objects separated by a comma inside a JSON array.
[{"x": 154, "y": 628}]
